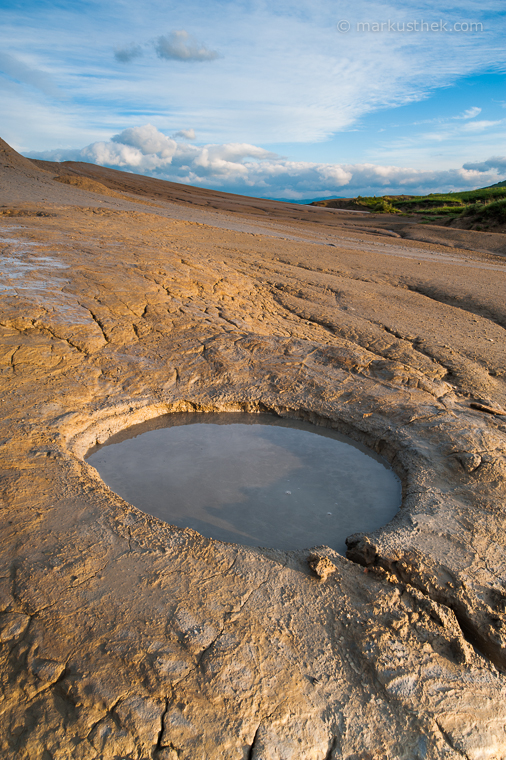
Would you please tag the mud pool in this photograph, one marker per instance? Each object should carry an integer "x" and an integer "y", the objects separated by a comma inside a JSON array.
[{"x": 251, "y": 479}]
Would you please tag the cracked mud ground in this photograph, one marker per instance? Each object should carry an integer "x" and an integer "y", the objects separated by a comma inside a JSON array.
[{"x": 123, "y": 637}]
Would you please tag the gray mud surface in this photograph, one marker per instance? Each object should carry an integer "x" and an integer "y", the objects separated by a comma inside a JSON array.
[{"x": 252, "y": 479}]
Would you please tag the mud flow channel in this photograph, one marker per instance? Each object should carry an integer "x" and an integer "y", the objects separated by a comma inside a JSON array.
[{"x": 252, "y": 479}]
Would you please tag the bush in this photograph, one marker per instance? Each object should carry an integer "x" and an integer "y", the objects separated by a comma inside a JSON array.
[
  {"x": 489, "y": 212},
  {"x": 384, "y": 207}
]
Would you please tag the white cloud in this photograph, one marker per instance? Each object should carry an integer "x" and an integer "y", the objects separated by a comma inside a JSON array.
[
  {"x": 181, "y": 46},
  {"x": 450, "y": 131},
  {"x": 479, "y": 126},
  {"x": 469, "y": 114},
  {"x": 286, "y": 74},
  {"x": 148, "y": 140},
  {"x": 176, "y": 46},
  {"x": 249, "y": 169}
]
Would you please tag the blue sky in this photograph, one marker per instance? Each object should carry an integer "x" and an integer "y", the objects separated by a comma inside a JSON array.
[{"x": 281, "y": 99}]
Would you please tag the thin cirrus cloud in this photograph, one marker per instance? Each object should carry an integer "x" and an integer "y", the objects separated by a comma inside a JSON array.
[
  {"x": 256, "y": 72},
  {"x": 252, "y": 170},
  {"x": 449, "y": 130},
  {"x": 471, "y": 113},
  {"x": 16, "y": 69},
  {"x": 479, "y": 126}
]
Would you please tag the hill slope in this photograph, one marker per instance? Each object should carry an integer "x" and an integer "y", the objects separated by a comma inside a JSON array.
[
  {"x": 481, "y": 209},
  {"x": 28, "y": 181},
  {"x": 11, "y": 160}
]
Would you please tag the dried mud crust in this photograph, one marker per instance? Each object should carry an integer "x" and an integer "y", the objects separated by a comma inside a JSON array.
[{"x": 124, "y": 637}]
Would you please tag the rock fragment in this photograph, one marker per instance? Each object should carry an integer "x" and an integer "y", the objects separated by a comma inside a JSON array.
[
  {"x": 469, "y": 461},
  {"x": 321, "y": 566}
]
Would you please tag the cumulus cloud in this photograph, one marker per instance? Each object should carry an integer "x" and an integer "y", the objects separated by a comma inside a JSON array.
[
  {"x": 148, "y": 139},
  {"x": 128, "y": 53},
  {"x": 250, "y": 169},
  {"x": 186, "y": 134},
  {"x": 181, "y": 46}
]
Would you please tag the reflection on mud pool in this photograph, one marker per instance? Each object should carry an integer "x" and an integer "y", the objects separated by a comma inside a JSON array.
[{"x": 252, "y": 479}]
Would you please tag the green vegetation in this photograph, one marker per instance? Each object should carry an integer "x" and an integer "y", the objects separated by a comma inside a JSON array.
[
  {"x": 439, "y": 203},
  {"x": 489, "y": 212},
  {"x": 378, "y": 205},
  {"x": 448, "y": 210},
  {"x": 498, "y": 184},
  {"x": 485, "y": 206}
]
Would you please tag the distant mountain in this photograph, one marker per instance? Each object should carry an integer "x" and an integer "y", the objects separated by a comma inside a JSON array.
[{"x": 304, "y": 201}]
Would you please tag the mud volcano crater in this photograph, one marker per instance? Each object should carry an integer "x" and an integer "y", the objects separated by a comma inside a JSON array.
[{"x": 253, "y": 479}]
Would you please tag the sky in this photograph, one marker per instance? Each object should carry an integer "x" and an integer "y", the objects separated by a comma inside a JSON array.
[{"x": 299, "y": 99}]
